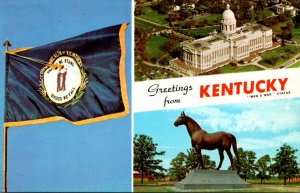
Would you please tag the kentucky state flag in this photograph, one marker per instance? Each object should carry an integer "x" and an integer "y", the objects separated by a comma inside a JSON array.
[{"x": 81, "y": 80}]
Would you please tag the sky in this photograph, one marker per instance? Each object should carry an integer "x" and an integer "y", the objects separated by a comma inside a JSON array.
[
  {"x": 261, "y": 127},
  {"x": 59, "y": 156}
]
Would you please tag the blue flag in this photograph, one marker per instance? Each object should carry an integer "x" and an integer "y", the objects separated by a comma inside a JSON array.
[{"x": 80, "y": 79}]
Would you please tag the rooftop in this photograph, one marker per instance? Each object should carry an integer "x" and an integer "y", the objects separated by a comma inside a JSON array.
[{"x": 203, "y": 43}]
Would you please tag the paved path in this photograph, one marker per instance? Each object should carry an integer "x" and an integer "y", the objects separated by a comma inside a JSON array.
[
  {"x": 255, "y": 63},
  {"x": 165, "y": 26},
  {"x": 152, "y": 23},
  {"x": 157, "y": 62},
  {"x": 291, "y": 61},
  {"x": 164, "y": 67}
]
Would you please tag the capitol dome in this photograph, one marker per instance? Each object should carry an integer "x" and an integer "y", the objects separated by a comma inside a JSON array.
[
  {"x": 228, "y": 22},
  {"x": 228, "y": 14}
]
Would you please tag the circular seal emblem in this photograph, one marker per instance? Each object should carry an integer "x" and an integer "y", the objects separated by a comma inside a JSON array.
[{"x": 63, "y": 80}]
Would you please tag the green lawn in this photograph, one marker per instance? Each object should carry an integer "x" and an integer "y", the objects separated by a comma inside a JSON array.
[
  {"x": 152, "y": 15},
  {"x": 278, "y": 56},
  {"x": 277, "y": 28},
  {"x": 145, "y": 182},
  {"x": 272, "y": 185},
  {"x": 296, "y": 65},
  {"x": 232, "y": 69},
  {"x": 153, "y": 189},
  {"x": 154, "y": 47},
  {"x": 273, "y": 181},
  {"x": 296, "y": 33},
  {"x": 143, "y": 25},
  {"x": 268, "y": 12},
  {"x": 212, "y": 19},
  {"x": 255, "y": 188},
  {"x": 151, "y": 73}
]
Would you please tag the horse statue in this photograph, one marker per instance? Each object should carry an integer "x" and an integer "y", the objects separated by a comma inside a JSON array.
[{"x": 202, "y": 140}]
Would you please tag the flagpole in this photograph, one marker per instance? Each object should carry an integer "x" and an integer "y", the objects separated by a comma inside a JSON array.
[{"x": 4, "y": 187}]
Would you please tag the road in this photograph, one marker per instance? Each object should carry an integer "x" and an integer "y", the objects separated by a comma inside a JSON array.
[{"x": 152, "y": 23}]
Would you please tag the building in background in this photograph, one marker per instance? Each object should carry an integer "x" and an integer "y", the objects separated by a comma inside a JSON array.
[{"x": 286, "y": 7}]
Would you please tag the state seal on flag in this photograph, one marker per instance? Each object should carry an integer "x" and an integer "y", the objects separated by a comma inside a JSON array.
[{"x": 63, "y": 80}]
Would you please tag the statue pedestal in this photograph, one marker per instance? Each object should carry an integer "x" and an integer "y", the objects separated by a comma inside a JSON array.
[{"x": 211, "y": 179}]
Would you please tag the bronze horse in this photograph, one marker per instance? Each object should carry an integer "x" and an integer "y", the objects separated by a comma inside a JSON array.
[{"x": 210, "y": 141}]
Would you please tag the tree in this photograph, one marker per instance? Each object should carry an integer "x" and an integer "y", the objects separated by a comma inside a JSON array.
[
  {"x": 285, "y": 162},
  {"x": 208, "y": 164},
  {"x": 178, "y": 167},
  {"x": 286, "y": 33},
  {"x": 192, "y": 161},
  {"x": 247, "y": 163},
  {"x": 164, "y": 6},
  {"x": 144, "y": 158},
  {"x": 170, "y": 45},
  {"x": 203, "y": 23},
  {"x": 189, "y": 24},
  {"x": 173, "y": 17},
  {"x": 263, "y": 168},
  {"x": 182, "y": 163},
  {"x": 295, "y": 3},
  {"x": 141, "y": 38},
  {"x": 297, "y": 20},
  {"x": 261, "y": 5},
  {"x": 138, "y": 8}
]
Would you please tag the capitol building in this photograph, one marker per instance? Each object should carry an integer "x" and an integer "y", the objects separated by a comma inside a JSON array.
[{"x": 231, "y": 44}]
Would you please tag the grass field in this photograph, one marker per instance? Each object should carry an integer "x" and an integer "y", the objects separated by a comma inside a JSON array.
[
  {"x": 271, "y": 185},
  {"x": 212, "y": 19},
  {"x": 153, "y": 189},
  {"x": 154, "y": 47},
  {"x": 233, "y": 69},
  {"x": 151, "y": 73},
  {"x": 296, "y": 65},
  {"x": 230, "y": 69},
  {"x": 152, "y": 15},
  {"x": 273, "y": 181},
  {"x": 278, "y": 56},
  {"x": 277, "y": 28},
  {"x": 143, "y": 25},
  {"x": 296, "y": 34},
  {"x": 255, "y": 188},
  {"x": 268, "y": 12}
]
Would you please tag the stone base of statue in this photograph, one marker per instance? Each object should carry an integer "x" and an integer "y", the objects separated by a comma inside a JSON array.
[{"x": 211, "y": 179}]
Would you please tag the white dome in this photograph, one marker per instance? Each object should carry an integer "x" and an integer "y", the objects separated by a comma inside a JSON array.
[
  {"x": 228, "y": 14},
  {"x": 228, "y": 22}
]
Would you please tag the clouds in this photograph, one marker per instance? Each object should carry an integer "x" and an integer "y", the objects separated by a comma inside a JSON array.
[
  {"x": 292, "y": 138},
  {"x": 270, "y": 143},
  {"x": 257, "y": 144},
  {"x": 261, "y": 127},
  {"x": 271, "y": 116}
]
